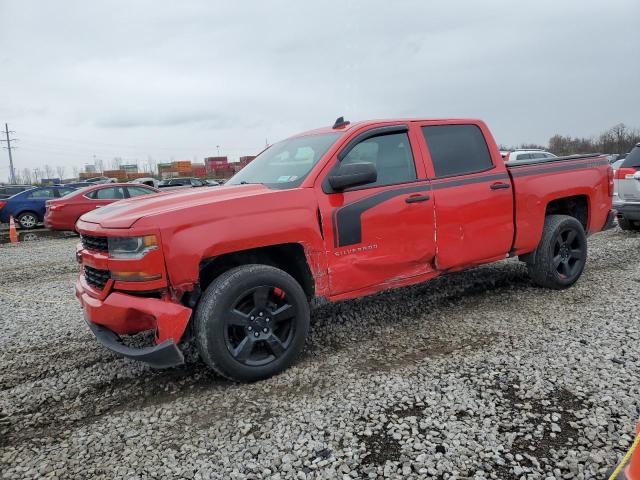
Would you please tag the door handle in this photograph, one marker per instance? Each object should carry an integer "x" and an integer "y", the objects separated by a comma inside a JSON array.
[
  {"x": 417, "y": 198},
  {"x": 499, "y": 186}
]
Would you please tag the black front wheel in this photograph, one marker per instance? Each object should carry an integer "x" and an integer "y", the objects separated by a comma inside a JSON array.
[
  {"x": 252, "y": 322},
  {"x": 561, "y": 254}
]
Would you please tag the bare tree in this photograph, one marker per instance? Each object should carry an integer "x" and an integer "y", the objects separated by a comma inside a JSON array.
[
  {"x": 48, "y": 170},
  {"x": 60, "y": 169},
  {"x": 99, "y": 163},
  {"x": 37, "y": 175},
  {"x": 26, "y": 176},
  {"x": 76, "y": 171},
  {"x": 116, "y": 162}
]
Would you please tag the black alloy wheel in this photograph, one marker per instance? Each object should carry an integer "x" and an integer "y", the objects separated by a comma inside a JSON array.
[
  {"x": 568, "y": 253},
  {"x": 260, "y": 326},
  {"x": 251, "y": 322}
]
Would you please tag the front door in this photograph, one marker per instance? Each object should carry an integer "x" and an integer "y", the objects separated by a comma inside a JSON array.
[{"x": 381, "y": 232}]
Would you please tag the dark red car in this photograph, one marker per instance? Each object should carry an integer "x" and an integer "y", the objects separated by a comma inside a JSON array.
[{"x": 63, "y": 213}]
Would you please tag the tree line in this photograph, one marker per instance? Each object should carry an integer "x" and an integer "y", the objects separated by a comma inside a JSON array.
[{"x": 618, "y": 139}]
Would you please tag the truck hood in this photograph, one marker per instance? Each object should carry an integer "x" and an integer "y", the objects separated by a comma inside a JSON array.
[{"x": 124, "y": 213}]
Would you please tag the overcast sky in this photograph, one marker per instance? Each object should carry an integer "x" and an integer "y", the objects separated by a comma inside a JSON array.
[{"x": 171, "y": 79}]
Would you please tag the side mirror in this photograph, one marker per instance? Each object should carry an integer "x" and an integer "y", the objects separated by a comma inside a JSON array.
[{"x": 353, "y": 174}]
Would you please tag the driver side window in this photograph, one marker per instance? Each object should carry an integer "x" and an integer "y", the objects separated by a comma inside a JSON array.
[{"x": 391, "y": 155}]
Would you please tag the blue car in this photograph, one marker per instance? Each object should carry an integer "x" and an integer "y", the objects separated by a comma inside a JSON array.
[{"x": 28, "y": 207}]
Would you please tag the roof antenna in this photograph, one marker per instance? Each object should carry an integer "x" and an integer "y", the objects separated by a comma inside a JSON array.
[{"x": 340, "y": 123}]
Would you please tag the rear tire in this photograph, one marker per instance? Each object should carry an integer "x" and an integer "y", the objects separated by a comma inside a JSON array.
[
  {"x": 28, "y": 220},
  {"x": 628, "y": 225},
  {"x": 561, "y": 254},
  {"x": 251, "y": 322}
]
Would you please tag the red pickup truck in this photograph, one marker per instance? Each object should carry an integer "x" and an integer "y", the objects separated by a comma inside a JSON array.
[{"x": 331, "y": 214}]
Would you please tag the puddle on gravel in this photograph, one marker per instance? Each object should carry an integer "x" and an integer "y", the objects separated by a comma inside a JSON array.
[{"x": 35, "y": 235}]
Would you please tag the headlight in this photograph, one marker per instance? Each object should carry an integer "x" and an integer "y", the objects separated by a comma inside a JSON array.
[{"x": 131, "y": 247}]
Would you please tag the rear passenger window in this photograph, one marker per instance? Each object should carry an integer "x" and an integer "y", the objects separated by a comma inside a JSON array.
[
  {"x": 524, "y": 156},
  {"x": 391, "y": 154},
  {"x": 137, "y": 191},
  {"x": 42, "y": 193},
  {"x": 457, "y": 149},
  {"x": 109, "y": 193}
]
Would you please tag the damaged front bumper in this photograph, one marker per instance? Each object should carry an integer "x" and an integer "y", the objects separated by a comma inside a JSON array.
[{"x": 122, "y": 314}]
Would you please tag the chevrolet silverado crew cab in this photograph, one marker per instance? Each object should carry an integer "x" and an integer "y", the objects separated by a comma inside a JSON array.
[{"x": 327, "y": 215}]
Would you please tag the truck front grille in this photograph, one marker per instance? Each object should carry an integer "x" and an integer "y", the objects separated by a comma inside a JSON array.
[
  {"x": 94, "y": 243},
  {"x": 95, "y": 277}
]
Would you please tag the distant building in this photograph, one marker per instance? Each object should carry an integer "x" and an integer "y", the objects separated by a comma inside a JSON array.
[
  {"x": 130, "y": 168},
  {"x": 199, "y": 170},
  {"x": 88, "y": 168},
  {"x": 183, "y": 167},
  {"x": 119, "y": 174},
  {"x": 216, "y": 162}
]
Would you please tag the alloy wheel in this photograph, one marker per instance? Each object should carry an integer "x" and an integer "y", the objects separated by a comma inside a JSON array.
[{"x": 259, "y": 326}]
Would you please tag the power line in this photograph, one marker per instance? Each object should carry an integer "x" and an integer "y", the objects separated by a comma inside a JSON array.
[{"x": 12, "y": 173}]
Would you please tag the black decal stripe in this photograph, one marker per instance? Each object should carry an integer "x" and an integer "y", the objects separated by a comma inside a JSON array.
[
  {"x": 456, "y": 182},
  {"x": 347, "y": 224},
  {"x": 545, "y": 168},
  {"x": 347, "y": 220}
]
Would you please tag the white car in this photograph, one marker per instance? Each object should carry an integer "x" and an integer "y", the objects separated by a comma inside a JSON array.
[
  {"x": 151, "y": 182},
  {"x": 524, "y": 155},
  {"x": 626, "y": 200}
]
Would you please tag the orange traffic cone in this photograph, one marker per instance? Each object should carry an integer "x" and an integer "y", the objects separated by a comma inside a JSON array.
[
  {"x": 633, "y": 470},
  {"x": 13, "y": 234}
]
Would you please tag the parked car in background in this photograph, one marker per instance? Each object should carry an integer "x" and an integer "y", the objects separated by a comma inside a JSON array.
[
  {"x": 627, "y": 187},
  {"x": 28, "y": 207},
  {"x": 7, "y": 191},
  {"x": 213, "y": 183},
  {"x": 149, "y": 181},
  {"x": 78, "y": 184},
  {"x": 525, "y": 155},
  {"x": 101, "y": 180},
  {"x": 182, "y": 182},
  {"x": 63, "y": 213}
]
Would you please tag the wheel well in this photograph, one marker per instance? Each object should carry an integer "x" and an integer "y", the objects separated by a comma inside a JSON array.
[
  {"x": 289, "y": 257},
  {"x": 27, "y": 211},
  {"x": 577, "y": 207}
]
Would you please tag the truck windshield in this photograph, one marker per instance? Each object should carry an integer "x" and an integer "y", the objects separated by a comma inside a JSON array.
[{"x": 287, "y": 163}]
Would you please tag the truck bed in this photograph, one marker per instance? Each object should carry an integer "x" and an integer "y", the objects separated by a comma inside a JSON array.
[{"x": 556, "y": 185}]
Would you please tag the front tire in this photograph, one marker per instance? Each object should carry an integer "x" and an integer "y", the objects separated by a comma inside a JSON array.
[
  {"x": 561, "y": 254},
  {"x": 28, "y": 220},
  {"x": 251, "y": 322}
]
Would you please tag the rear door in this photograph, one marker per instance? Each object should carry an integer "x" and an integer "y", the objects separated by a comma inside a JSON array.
[
  {"x": 380, "y": 232},
  {"x": 472, "y": 192}
]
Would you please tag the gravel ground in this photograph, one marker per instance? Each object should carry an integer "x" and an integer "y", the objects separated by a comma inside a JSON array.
[{"x": 474, "y": 375}]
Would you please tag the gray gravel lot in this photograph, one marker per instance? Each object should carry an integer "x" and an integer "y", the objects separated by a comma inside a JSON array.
[{"x": 474, "y": 375}]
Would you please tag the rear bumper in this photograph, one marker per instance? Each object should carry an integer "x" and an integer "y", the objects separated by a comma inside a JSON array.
[
  {"x": 51, "y": 222},
  {"x": 628, "y": 210},
  {"x": 122, "y": 314}
]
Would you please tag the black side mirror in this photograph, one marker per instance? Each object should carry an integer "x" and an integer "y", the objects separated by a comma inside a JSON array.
[{"x": 353, "y": 174}]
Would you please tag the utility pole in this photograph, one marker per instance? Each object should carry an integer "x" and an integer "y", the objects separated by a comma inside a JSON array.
[{"x": 12, "y": 174}]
